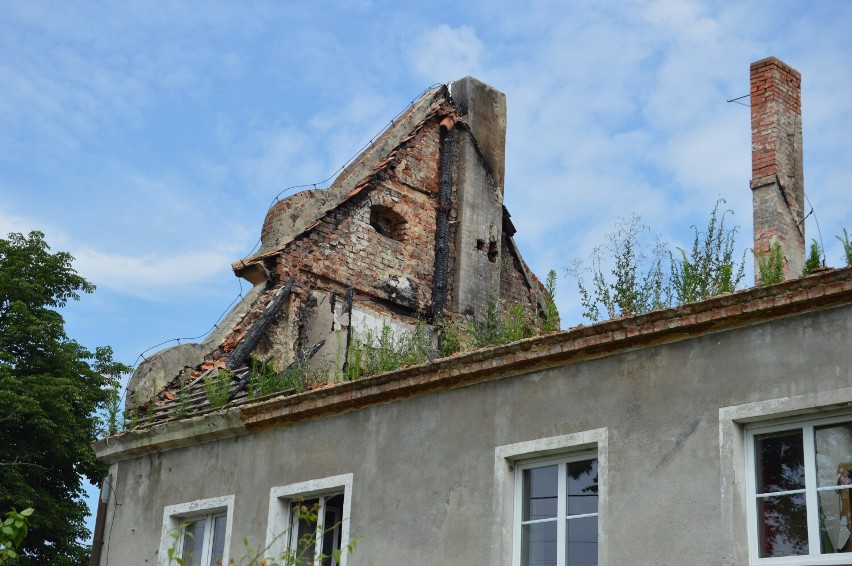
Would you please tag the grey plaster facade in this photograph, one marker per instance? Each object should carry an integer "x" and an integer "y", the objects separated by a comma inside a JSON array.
[{"x": 430, "y": 471}]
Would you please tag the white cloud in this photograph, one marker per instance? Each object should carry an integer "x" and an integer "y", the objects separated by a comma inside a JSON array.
[
  {"x": 444, "y": 53},
  {"x": 152, "y": 276}
]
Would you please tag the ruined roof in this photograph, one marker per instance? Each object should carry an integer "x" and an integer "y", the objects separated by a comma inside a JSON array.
[
  {"x": 295, "y": 214},
  {"x": 757, "y": 305}
]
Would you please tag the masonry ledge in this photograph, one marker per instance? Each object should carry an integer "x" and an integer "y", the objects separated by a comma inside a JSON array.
[{"x": 170, "y": 435}]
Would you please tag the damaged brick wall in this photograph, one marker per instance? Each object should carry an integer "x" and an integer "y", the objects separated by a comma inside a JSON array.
[
  {"x": 777, "y": 183},
  {"x": 374, "y": 232},
  {"x": 345, "y": 246},
  {"x": 514, "y": 289}
]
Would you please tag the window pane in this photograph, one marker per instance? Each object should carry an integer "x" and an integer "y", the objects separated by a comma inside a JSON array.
[
  {"x": 783, "y": 525},
  {"x": 582, "y": 541},
  {"x": 540, "y": 497},
  {"x": 193, "y": 542},
  {"x": 780, "y": 461},
  {"x": 835, "y": 521},
  {"x": 583, "y": 487},
  {"x": 305, "y": 530},
  {"x": 538, "y": 544},
  {"x": 332, "y": 528},
  {"x": 219, "y": 525},
  {"x": 833, "y": 454}
]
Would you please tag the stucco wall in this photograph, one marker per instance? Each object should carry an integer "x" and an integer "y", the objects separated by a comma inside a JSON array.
[{"x": 424, "y": 468}]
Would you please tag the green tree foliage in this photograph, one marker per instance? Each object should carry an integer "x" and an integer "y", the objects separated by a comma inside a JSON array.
[{"x": 50, "y": 390}]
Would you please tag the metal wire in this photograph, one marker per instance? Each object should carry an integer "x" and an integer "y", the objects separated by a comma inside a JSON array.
[{"x": 821, "y": 244}]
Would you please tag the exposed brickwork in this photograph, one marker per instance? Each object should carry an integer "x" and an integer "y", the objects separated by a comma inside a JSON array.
[
  {"x": 345, "y": 247},
  {"x": 514, "y": 289},
  {"x": 775, "y": 92},
  {"x": 777, "y": 175}
]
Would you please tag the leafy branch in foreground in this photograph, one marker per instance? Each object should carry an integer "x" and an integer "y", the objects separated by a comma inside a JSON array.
[
  {"x": 301, "y": 551},
  {"x": 13, "y": 531}
]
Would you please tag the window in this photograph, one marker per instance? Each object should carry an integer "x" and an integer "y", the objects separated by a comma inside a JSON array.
[
  {"x": 799, "y": 492},
  {"x": 203, "y": 539},
  {"x": 204, "y": 529},
  {"x": 550, "y": 501},
  {"x": 315, "y": 529},
  {"x": 311, "y": 520},
  {"x": 556, "y": 522}
]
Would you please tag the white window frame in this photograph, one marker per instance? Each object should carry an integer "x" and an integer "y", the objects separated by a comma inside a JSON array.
[
  {"x": 280, "y": 519},
  {"x": 176, "y": 515},
  {"x": 562, "y": 500},
  {"x": 511, "y": 459},
  {"x": 806, "y": 427}
]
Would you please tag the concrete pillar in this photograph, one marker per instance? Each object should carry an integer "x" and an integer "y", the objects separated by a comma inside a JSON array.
[
  {"x": 483, "y": 108},
  {"x": 777, "y": 182},
  {"x": 478, "y": 167}
]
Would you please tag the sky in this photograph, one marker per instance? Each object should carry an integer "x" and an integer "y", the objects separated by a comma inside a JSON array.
[{"x": 149, "y": 138}]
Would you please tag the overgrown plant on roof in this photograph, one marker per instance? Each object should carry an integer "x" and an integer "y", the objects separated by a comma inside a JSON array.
[
  {"x": 217, "y": 386},
  {"x": 387, "y": 351},
  {"x": 151, "y": 410},
  {"x": 131, "y": 417},
  {"x": 637, "y": 282},
  {"x": 449, "y": 338},
  {"x": 500, "y": 326},
  {"x": 488, "y": 329},
  {"x": 847, "y": 247},
  {"x": 770, "y": 266},
  {"x": 709, "y": 268},
  {"x": 551, "y": 314},
  {"x": 265, "y": 380},
  {"x": 112, "y": 406},
  {"x": 182, "y": 406},
  {"x": 814, "y": 259}
]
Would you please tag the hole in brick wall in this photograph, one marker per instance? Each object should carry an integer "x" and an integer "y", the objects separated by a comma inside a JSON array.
[
  {"x": 492, "y": 251},
  {"x": 387, "y": 222},
  {"x": 480, "y": 245}
]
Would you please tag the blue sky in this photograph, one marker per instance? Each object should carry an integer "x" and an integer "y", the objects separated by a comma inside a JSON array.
[{"x": 149, "y": 138}]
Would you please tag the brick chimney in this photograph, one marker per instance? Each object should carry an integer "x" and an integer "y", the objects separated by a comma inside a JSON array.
[{"x": 777, "y": 179}]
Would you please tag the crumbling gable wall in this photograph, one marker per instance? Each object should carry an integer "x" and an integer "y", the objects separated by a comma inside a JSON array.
[
  {"x": 412, "y": 230},
  {"x": 348, "y": 246}
]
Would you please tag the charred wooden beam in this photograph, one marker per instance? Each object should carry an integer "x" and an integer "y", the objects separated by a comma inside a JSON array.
[{"x": 241, "y": 353}]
